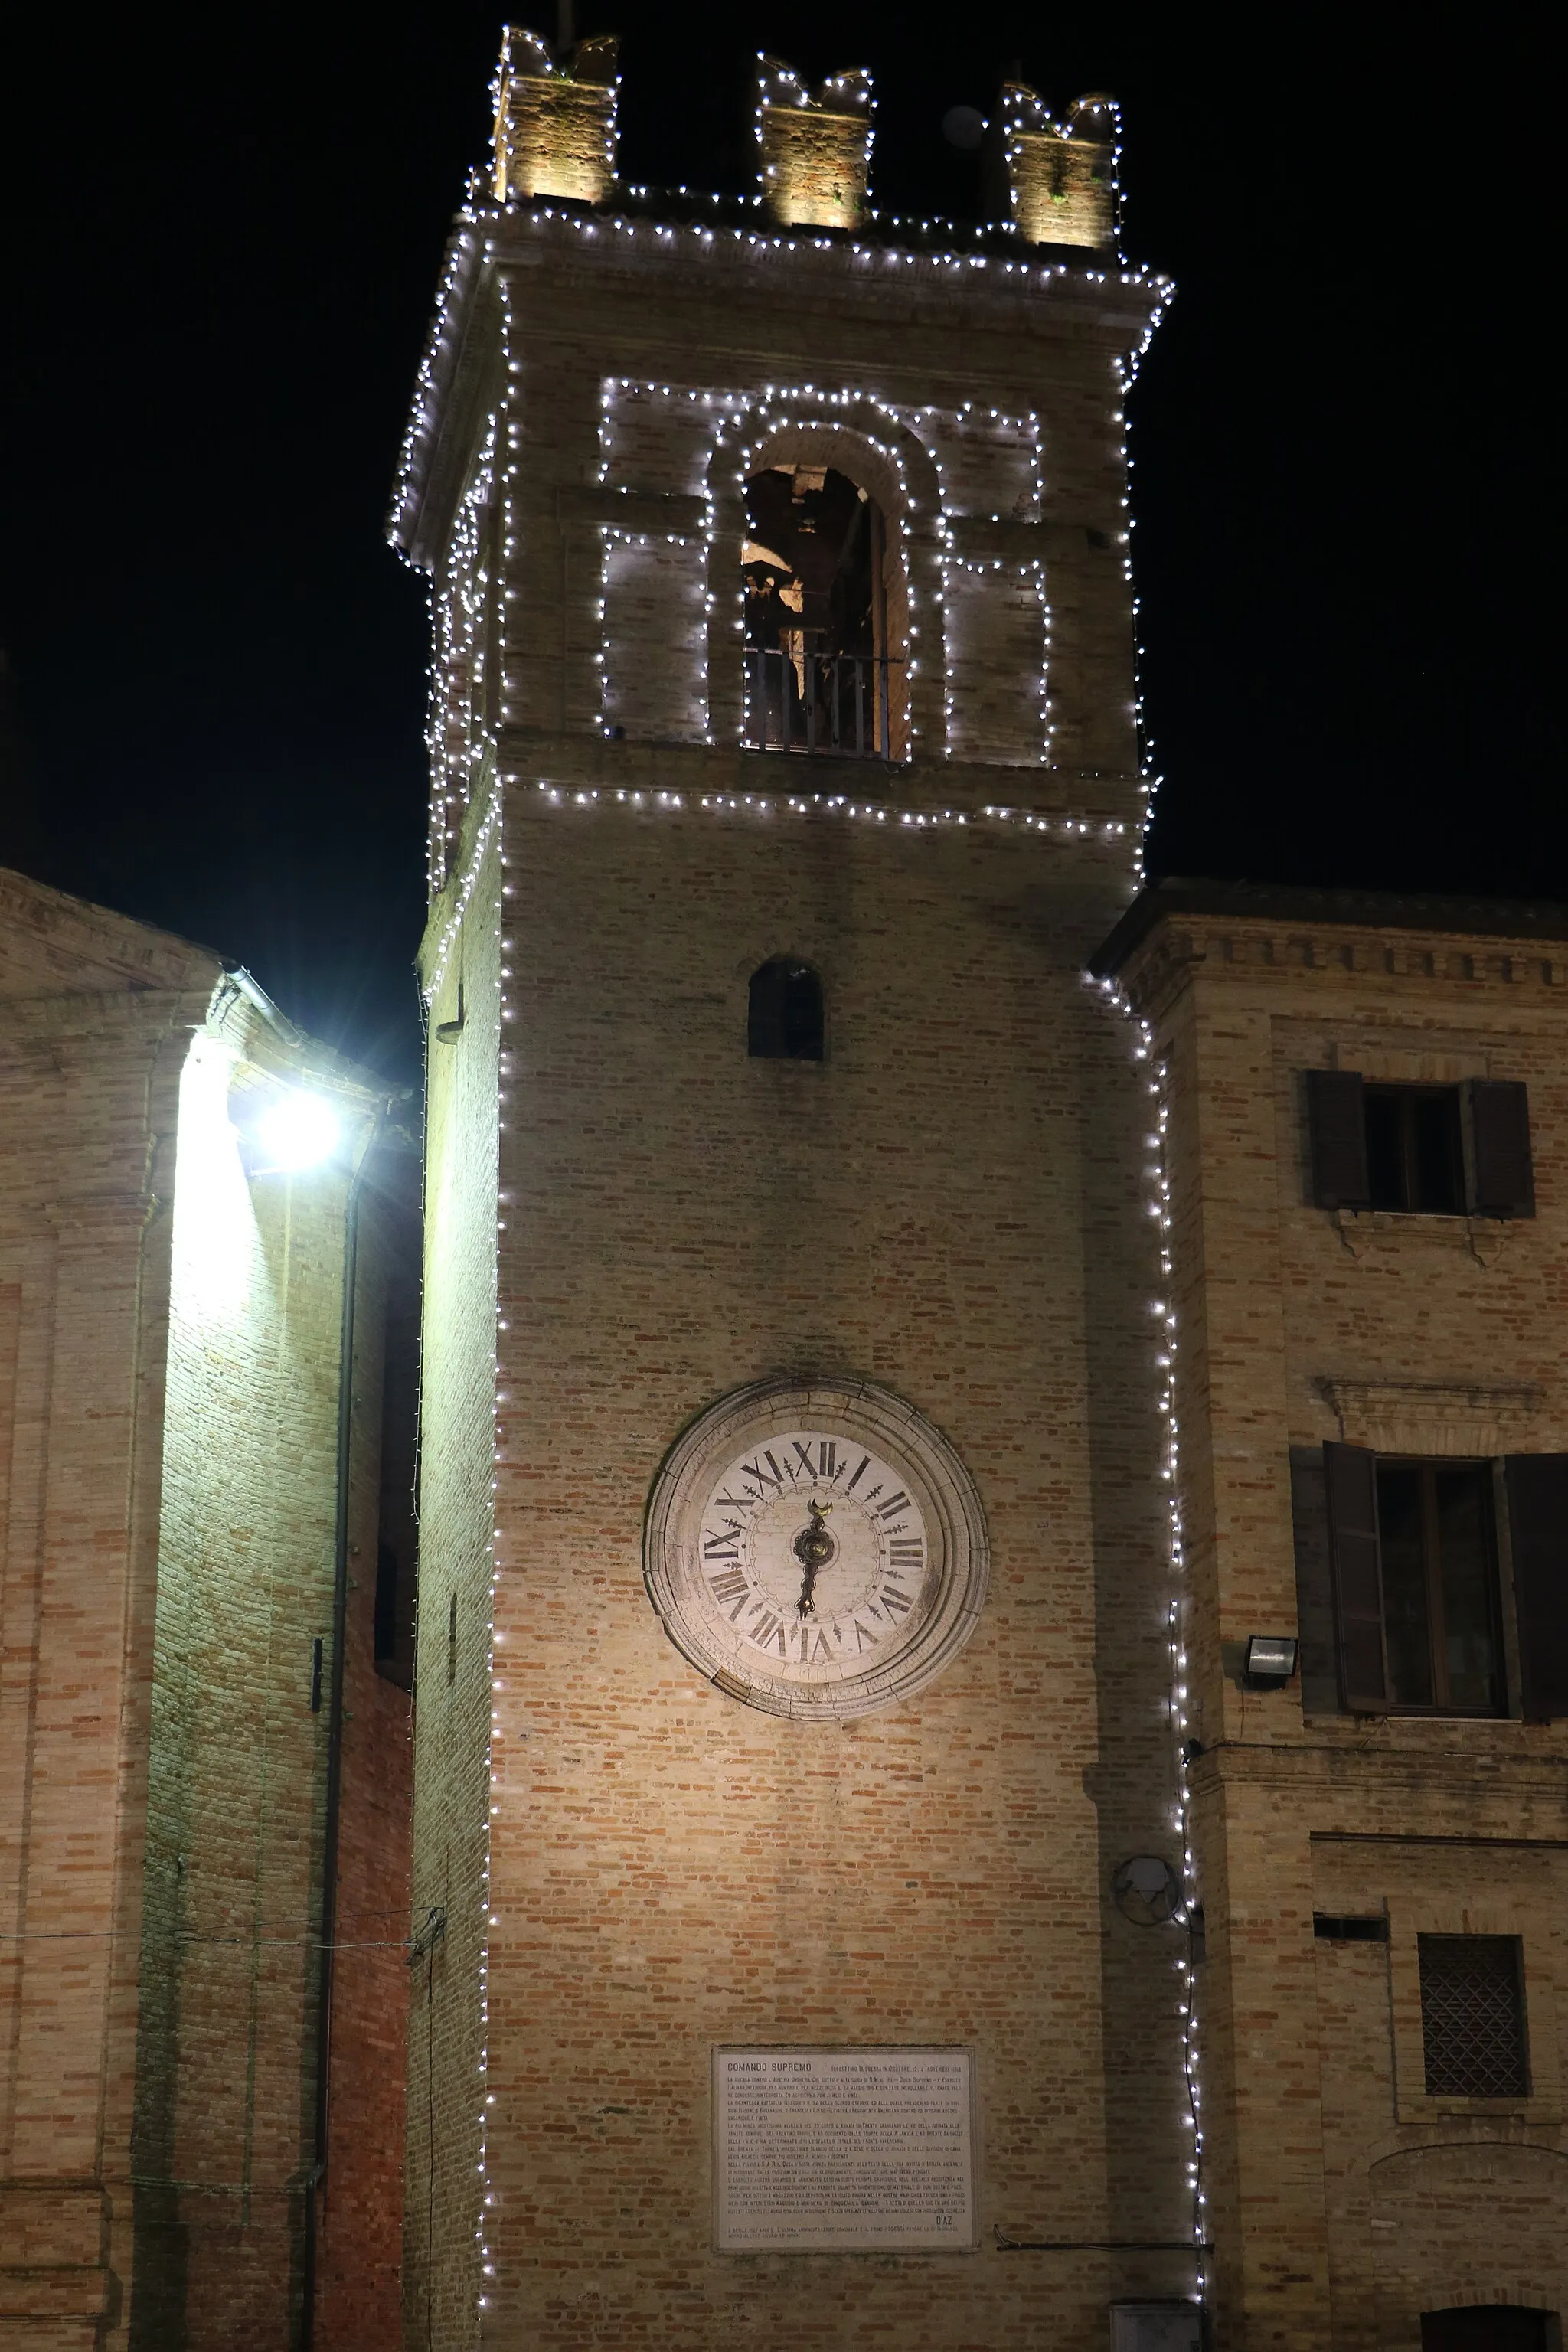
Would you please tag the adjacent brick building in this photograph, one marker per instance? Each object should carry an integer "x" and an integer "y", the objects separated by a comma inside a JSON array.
[
  {"x": 196, "y": 1738},
  {"x": 1364, "y": 1151}
]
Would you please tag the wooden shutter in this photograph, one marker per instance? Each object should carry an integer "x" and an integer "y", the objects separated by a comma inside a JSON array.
[
  {"x": 1338, "y": 1123},
  {"x": 1538, "y": 1531},
  {"x": 1499, "y": 1131},
  {"x": 1352, "y": 1475}
]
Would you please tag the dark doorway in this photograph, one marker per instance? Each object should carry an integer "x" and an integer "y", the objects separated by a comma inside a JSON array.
[
  {"x": 784, "y": 1012},
  {"x": 1486, "y": 2327}
]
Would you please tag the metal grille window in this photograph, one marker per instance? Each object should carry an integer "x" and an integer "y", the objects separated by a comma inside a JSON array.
[{"x": 1472, "y": 2017}]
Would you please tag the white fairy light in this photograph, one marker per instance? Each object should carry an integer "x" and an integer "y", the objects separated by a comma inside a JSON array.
[
  {"x": 1153, "y": 1073},
  {"x": 494, "y": 823},
  {"x": 470, "y": 250},
  {"x": 447, "y": 937},
  {"x": 849, "y": 806}
]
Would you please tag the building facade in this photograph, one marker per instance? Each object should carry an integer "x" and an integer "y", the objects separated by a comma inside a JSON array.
[
  {"x": 795, "y": 1636},
  {"x": 991, "y": 1638},
  {"x": 1363, "y": 1102},
  {"x": 198, "y": 1309}
]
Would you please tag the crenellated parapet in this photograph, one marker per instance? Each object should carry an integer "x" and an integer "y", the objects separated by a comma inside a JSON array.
[
  {"x": 1061, "y": 176},
  {"x": 815, "y": 146},
  {"x": 555, "y": 117}
]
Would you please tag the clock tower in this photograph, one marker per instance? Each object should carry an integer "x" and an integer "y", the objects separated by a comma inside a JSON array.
[{"x": 797, "y": 1825}]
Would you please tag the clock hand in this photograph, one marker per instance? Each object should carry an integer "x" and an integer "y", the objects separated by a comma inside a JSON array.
[{"x": 814, "y": 1548}]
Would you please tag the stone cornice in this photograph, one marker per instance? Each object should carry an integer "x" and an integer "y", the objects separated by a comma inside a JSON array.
[
  {"x": 1336, "y": 955},
  {"x": 1087, "y": 802},
  {"x": 1431, "y": 1417},
  {"x": 1341, "y": 1787},
  {"x": 1024, "y": 285},
  {"x": 1020, "y": 292}
]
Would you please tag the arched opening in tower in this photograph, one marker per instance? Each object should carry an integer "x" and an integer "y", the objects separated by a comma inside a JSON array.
[{"x": 817, "y": 656}]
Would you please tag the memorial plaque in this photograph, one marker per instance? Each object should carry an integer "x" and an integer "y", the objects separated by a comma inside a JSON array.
[{"x": 842, "y": 2150}]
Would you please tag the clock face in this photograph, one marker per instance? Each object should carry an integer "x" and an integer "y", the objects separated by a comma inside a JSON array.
[
  {"x": 814, "y": 1557},
  {"x": 816, "y": 1552}
]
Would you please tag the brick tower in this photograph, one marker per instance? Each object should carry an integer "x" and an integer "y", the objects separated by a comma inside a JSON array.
[{"x": 799, "y": 1969}]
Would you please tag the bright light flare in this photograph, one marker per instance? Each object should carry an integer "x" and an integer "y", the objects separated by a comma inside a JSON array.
[{"x": 299, "y": 1132}]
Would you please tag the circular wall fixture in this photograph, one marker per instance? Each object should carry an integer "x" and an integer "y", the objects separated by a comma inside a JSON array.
[{"x": 1146, "y": 1890}]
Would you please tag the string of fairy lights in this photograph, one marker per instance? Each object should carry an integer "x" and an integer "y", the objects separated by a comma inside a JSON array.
[
  {"x": 798, "y": 419},
  {"x": 935, "y": 552},
  {"x": 848, "y": 98},
  {"x": 479, "y": 228},
  {"x": 493, "y": 830},
  {"x": 457, "y": 737},
  {"x": 1154, "y": 1075}
]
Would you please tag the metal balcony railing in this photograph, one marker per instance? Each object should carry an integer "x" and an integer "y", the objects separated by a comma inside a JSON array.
[{"x": 835, "y": 704}]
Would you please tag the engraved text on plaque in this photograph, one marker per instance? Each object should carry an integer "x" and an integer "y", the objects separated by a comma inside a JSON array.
[{"x": 846, "y": 2150}]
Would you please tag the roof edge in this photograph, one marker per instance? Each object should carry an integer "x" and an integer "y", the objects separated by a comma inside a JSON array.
[{"x": 1345, "y": 908}]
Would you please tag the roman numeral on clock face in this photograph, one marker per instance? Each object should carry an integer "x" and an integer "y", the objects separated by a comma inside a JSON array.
[
  {"x": 770, "y": 1633},
  {"x": 905, "y": 1552},
  {"x": 729, "y": 1586}
]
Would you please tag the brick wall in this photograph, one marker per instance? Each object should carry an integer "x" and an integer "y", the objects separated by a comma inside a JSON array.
[
  {"x": 1341, "y": 2205},
  {"x": 452, "y": 1694},
  {"x": 236, "y": 1813},
  {"x": 671, "y": 1869},
  {"x": 97, "y": 1015},
  {"x": 169, "y": 1351},
  {"x": 360, "y": 2290}
]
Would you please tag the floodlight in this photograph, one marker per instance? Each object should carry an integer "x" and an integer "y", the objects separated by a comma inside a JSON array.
[
  {"x": 298, "y": 1131},
  {"x": 1270, "y": 1657}
]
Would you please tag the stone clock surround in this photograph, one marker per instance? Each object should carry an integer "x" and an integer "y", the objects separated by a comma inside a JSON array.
[{"x": 945, "y": 1593}]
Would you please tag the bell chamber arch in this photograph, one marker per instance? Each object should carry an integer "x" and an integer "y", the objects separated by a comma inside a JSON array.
[{"x": 820, "y": 663}]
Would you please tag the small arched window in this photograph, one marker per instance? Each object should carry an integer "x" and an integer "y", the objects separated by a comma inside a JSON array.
[{"x": 784, "y": 1013}]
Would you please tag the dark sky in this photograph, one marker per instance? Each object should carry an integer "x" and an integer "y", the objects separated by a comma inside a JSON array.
[{"x": 226, "y": 235}]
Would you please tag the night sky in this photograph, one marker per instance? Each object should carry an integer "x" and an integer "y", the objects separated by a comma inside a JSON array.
[{"x": 226, "y": 237}]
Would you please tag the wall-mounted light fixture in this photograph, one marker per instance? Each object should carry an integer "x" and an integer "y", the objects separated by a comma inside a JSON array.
[
  {"x": 1270, "y": 1658},
  {"x": 296, "y": 1130}
]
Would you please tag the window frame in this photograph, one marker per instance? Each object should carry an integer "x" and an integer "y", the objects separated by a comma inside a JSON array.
[
  {"x": 1429, "y": 1465},
  {"x": 1355, "y": 1564},
  {"x": 1405, "y": 1099},
  {"x": 1514, "y": 1951},
  {"x": 1408, "y": 1921},
  {"x": 1489, "y": 1148}
]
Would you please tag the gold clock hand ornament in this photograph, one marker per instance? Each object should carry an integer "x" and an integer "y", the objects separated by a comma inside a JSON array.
[{"x": 814, "y": 1548}]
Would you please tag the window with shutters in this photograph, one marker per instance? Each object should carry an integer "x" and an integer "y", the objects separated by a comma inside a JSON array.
[
  {"x": 1537, "y": 1489},
  {"x": 1416, "y": 1600},
  {"x": 1472, "y": 2017},
  {"x": 1403, "y": 1148},
  {"x": 1401, "y": 1606},
  {"x": 1415, "y": 1159}
]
